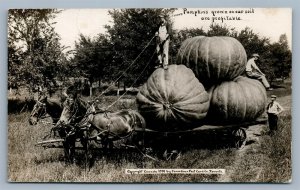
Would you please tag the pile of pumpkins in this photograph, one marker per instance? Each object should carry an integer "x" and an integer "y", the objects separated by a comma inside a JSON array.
[{"x": 204, "y": 86}]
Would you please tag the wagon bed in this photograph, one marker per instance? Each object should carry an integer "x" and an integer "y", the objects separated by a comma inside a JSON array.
[
  {"x": 234, "y": 134},
  {"x": 207, "y": 127},
  {"x": 145, "y": 138}
]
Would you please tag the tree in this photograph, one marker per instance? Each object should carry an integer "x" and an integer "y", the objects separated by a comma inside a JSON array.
[
  {"x": 252, "y": 42},
  {"x": 281, "y": 57},
  {"x": 130, "y": 33},
  {"x": 92, "y": 58},
  {"x": 35, "y": 54},
  {"x": 218, "y": 30}
]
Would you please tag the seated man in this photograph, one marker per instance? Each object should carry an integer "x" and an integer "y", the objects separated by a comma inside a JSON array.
[{"x": 252, "y": 71}]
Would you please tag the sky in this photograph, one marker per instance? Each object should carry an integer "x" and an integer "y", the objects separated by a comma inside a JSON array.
[{"x": 267, "y": 22}]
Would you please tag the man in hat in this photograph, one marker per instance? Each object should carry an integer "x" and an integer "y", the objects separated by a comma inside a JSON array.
[
  {"x": 162, "y": 41},
  {"x": 252, "y": 71},
  {"x": 273, "y": 109}
]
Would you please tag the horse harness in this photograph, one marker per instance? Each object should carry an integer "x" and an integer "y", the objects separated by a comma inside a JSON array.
[
  {"x": 43, "y": 113},
  {"x": 74, "y": 111},
  {"x": 107, "y": 132}
]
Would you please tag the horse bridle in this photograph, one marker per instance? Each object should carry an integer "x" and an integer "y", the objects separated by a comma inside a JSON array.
[
  {"x": 42, "y": 113},
  {"x": 75, "y": 109},
  {"x": 85, "y": 118}
]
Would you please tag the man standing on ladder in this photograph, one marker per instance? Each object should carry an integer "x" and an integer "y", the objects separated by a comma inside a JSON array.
[{"x": 162, "y": 44}]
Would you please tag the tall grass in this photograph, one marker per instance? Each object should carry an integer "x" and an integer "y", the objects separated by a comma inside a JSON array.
[
  {"x": 277, "y": 149},
  {"x": 31, "y": 164},
  {"x": 268, "y": 161},
  {"x": 28, "y": 163}
]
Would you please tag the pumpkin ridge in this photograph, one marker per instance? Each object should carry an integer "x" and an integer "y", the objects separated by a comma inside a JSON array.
[
  {"x": 156, "y": 95},
  {"x": 256, "y": 106},
  {"x": 232, "y": 67},
  {"x": 259, "y": 85},
  {"x": 253, "y": 94},
  {"x": 192, "y": 62},
  {"x": 184, "y": 116},
  {"x": 255, "y": 83},
  {"x": 244, "y": 84},
  {"x": 257, "y": 98},
  {"x": 190, "y": 103},
  {"x": 192, "y": 79},
  {"x": 240, "y": 59},
  {"x": 186, "y": 96},
  {"x": 260, "y": 90},
  {"x": 181, "y": 116},
  {"x": 188, "y": 54},
  {"x": 173, "y": 115},
  {"x": 160, "y": 84},
  {"x": 164, "y": 81},
  {"x": 201, "y": 61},
  {"x": 146, "y": 100},
  {"x": 226, "y": 100},
  {"x": 242, "y": 97},
  {"x": 244, "y": 91},
  {"x": 218, "y": 73},
  {"x": 232, "y": 101},
  {"x": 189, "y": 108},
  {"x": 206, "y": 59},
  {"x": 228, "y": 48},
  {"x": 170, "y": 81},
  {"x": 217, "y": 99},
  {"x": 146, "y": 96},
  {"x": 199, "y": 99},
  {"x": 196, "y": 70},
  {"x": 241, "y": 102}
]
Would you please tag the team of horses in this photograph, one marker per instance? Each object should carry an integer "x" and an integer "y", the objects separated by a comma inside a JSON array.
[{"x": 76, "y": 119}]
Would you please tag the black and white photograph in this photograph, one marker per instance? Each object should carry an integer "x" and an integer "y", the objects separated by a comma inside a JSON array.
[{"x": 149, "y": 95}]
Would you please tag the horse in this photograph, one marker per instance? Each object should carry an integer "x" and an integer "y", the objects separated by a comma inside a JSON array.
[
  {"x": 42, "y": 107},
  {"x": 101, "y": 125},
  {"x": 73, "y": 111}
]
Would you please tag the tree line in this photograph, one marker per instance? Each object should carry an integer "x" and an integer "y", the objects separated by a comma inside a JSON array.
[{"x": 124, "y": 53}]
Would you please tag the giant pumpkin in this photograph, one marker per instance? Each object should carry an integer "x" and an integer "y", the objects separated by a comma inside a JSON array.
[
  {"x": 172, "y": 99},
  {"x": 242, "y": 99},
  {"x": 213, "y": 59}
]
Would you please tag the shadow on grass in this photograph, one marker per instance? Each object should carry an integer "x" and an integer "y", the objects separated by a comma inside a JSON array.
[
  {"x": 250, "y": 142},
  {"x": 119, "y": 156},
  {"x": 18, "y": 105}
]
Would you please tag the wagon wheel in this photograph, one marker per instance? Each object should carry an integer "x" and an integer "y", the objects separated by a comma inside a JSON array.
[
  {"x": 138, "y": 140},
  {"x": 239, "y": 136},
  {"x": 171, "y": 155}
]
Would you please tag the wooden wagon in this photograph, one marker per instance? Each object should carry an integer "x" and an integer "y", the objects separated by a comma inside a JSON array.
[{"x": 147, "y": 141}]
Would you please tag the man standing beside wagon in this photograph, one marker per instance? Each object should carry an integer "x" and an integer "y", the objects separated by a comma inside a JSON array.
[{"x": 273, "y": 109}]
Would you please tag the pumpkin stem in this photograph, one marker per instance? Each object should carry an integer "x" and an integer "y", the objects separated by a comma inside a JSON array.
[{"x": 167, "y": 106}]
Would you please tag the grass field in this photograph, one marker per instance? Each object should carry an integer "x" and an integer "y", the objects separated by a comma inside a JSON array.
[{"x": 266, "y": 161}]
